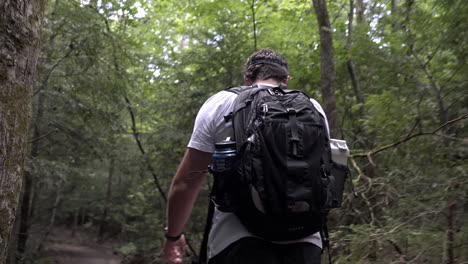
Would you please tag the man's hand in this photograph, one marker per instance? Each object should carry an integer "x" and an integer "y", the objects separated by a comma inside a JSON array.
[
  {"x": 182, "y": 195},
  {"x": 174, "y": 251}
]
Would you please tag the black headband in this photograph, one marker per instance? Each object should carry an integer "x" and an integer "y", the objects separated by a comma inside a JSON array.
[{"x": 269, "y": 63}]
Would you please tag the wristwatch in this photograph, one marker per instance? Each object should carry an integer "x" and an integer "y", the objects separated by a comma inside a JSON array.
[{"x": 171, "y": 238}]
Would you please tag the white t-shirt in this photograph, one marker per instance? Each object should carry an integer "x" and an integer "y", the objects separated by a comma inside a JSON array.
[{"x": 210, "y": 127}]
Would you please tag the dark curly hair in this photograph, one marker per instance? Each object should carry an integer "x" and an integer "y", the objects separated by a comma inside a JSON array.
[{"x": 265, "y": 64}]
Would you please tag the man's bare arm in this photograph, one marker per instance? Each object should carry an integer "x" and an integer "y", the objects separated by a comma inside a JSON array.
[{"x": 185, "y": 187}]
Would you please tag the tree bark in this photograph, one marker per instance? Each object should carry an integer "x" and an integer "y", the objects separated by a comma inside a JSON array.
[
  {"x": 53, "y": 214},
  {"x": 327, "y": 65},
  {"x": 102, "y": 225},
  {"x": 254, "y": 23},
  {"x": 76, "y": 215},
  {"x": 350, "y": 63},
  {"x": 82, "y": 215},
  {"x": 29, "y": 183},
  {"x": 394, "y": 6},
  {"x": 24, "y": 217},
  {"x": 360, "y": 9},
  {"x": 451, "y": 233},
  {"x": 19, "y": 45}
]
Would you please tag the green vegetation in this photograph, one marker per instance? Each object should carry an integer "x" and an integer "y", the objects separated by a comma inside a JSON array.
[{"x": 120, "y": 82}]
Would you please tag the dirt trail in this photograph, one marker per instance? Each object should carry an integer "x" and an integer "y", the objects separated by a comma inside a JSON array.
[
  {"x": 78, "y": 254},
  {"x": 80, "y": 249}
]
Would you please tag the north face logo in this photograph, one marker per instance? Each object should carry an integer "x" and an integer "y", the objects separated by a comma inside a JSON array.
[{"x": 296, "y": 228}]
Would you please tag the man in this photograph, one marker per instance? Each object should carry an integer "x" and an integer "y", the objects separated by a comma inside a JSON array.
[{"x": 229, "y": 241}]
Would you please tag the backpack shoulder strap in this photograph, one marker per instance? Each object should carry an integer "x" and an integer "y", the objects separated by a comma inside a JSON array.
[
  {"x": 238, "y": 89},
  {"x": 245, "y": 95},
  {"x": 202, "y": 257}
]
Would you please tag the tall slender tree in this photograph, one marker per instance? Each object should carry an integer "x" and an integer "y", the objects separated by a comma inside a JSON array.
[{"x": 327, "y": 64}]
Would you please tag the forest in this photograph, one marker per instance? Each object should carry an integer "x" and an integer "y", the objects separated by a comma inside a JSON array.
[{"x": 107, "y": 112}]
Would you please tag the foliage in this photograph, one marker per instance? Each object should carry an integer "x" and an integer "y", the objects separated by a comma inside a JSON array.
[{"x": 114, "y": 74}]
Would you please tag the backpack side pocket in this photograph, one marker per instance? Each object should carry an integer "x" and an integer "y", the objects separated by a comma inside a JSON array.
[
  {"x": 339, "y": 171},
  {"x": 223, "y": 192}
]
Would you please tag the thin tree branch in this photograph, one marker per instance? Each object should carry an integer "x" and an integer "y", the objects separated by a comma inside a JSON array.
[
  {"x": 452, "y": 138},
  {"x": 43, "y": 136},
  {"x": 148, "y": 164},
  {"x": 417, "y": 256},
  {"x": 46, "y": 80},
  {"x": 394, "y": 229},
  {"x": 395, "y": 246},
  {"x": 453, "y": 121},
  {"x": 338, "y": 14},
  {"x": 132, "y": 115},
  {"x": 407, "y": 138},
  {"x": 414, "y": 127},
  {"x": 134, "y": 128},
  {"x": 78, "y": 139},
  {"x": 432, "y": 56},
  {"x": 136, "y": 134},
  {"x": 142, "y": 150}
]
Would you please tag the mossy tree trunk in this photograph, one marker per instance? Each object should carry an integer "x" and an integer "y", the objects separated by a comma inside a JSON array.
[
  {"x": 19, "y": 45},
  {"x": 28, "y": 184}
]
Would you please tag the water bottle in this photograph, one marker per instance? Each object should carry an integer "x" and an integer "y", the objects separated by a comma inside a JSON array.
[
  {"x": 224, "y": 185},
  {"x": 224, "y": 155}
]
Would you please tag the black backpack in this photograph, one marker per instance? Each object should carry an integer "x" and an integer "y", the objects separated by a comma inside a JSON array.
[{"x": 280, "y": 186}]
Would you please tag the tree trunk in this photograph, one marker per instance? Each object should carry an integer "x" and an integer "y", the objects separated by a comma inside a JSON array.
[
  {"x": 24, "y": 217},
  {"x": 82, "y": 216},
  {"x": 29, "y": 183},
  {"x": 451, "y": 233},
  {"x": 394, "y": 6},
  {"x": 93, "y": 4},
  {"x": 19, "y": 44},
  {"x": 50, "y": 226},
  {"x": 350, "y": 63},
  {"x": 102, "y": 225},
  {"x": 360, "y": 9},
  {"x": 327, "y": 65},
  {"x": 254, "y": 23},
  {"x": 76, "y": 215}
]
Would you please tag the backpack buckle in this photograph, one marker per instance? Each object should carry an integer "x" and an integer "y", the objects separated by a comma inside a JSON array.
[{"x": 275, "y": 91}]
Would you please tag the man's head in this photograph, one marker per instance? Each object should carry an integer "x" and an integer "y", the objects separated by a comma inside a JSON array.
[{"x": 266, "y": 64}]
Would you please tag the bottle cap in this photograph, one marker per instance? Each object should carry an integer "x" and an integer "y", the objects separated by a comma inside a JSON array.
[{"x": 225, "y": 145}]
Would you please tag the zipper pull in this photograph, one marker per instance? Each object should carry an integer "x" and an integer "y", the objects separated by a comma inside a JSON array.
[{"x": 264, "y": 109}]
